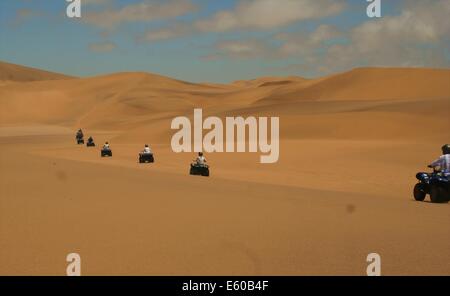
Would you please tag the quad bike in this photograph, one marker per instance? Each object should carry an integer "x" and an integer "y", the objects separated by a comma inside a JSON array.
[
  {"x": 90, "y": 144},
  {"x": 106, "y": 152},
  {"x": 146, "y": 158},
  {"x": 80, "y": 140},
  {"x": 436, "y": 184},
  {"x": 199, "y": 169}
]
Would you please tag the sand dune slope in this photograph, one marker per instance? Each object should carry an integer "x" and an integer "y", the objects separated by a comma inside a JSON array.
[
  {"x": 370, "y": 84},
  {"x": 133, "y": 100},
  {"x": 12, "y": 72},
  {"x": 349, "y": 150}
]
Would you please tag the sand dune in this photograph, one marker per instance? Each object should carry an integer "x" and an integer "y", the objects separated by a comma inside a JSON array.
[
  {"x": 370, "y": 84},
  {"x": 350, "y": 146},
  {"x": 12, "y": 72},
  {"x": 137, "y": 97}
]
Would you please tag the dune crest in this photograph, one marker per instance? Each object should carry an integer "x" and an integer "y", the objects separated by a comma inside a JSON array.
[
  {"x": 17, "y": 73},
  {"x": 369, "y": 84}
]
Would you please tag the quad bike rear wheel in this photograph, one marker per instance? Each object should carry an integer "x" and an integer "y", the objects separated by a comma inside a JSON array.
[
  {"x": 439, "y": 194},
  {"x": 146, "y": 158},
  {"x": 205, "y": 173}
]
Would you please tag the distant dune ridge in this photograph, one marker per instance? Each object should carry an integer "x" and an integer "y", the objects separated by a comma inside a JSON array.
[
  {"x": 132, "y": 100},
  {"x": 12, "y": 72},
  {"x": 350, "y": 145},
  {"x": 373, "y": 84}
]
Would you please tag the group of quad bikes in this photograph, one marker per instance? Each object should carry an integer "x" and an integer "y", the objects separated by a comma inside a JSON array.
[
  {"x": 196, "y": 169},
  {"x": 436, "y": 184}
]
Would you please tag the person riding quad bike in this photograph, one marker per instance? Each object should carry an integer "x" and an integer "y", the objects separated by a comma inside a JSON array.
[
  {"x": 90, "y": 142},
  {"x": 79, "y": 137},
  {"x": 199, "y": 166},
  {"x": 106, "y": 150},
  {"x": 146, "y": 155},
  {"x": 443, "y": 162},
  {"x": 436, "y": 184}
]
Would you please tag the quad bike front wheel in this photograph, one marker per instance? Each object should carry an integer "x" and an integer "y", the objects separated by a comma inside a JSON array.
[
  {"x": 103, "y": 154},
  {"x": 419, "y": 192}
]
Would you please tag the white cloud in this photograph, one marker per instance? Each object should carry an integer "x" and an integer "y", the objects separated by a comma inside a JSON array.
[
  {"x": 300, "y": 44},
  {"x": 269, "y": 14},
  {"x": 145, "y": 11},
  {"x": 102, "y": 47},
  {"x": 252, "y": 14},
  {"x": 174, "y": 31},
  {"x": 417, "y": 37},
  {"x": 243, "y": 49},
  {"x": 303, "y": 43},
  {"x": 96, "y": 2}
]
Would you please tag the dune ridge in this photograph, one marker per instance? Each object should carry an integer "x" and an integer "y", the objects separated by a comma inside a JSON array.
[{"x": 16, "y": 73}]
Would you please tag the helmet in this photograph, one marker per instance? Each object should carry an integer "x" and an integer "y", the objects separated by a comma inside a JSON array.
[
  {"x": 106, "y": 143},
  {"x": 146, "y": 145},
  {"x": 200, "y": 154},
  {"x": 446, "y": 149}
]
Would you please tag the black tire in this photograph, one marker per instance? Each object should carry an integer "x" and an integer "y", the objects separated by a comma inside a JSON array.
[
  {"x": 146, "y": 158},
  {"x": 105, "y": 153},
  {"x": 438, "y": 194},
  {"x": 419, "y": 192}
]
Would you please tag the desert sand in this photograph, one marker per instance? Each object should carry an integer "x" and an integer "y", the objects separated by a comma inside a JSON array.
[{"x": 350, "y": 147}]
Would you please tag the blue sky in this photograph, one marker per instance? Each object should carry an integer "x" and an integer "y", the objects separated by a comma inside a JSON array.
[{"x": 226, "y": 40}]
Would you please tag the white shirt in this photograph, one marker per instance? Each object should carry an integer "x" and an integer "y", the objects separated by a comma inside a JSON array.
[
  {"x": 147, "y": 150},
  {"x": 443, "y": 162},
  {"x": 201, "y": 160}
]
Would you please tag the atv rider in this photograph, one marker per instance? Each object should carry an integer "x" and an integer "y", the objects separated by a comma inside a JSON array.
[
  {"x": 106, "y": 146},
  {"x": 90, "y": 140},
  {"x": 443, "y": 162},
  {"x": 147, "y": 150},
  {"x": 200, "y": 160},
  {"x": 79, "y": 134}
]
